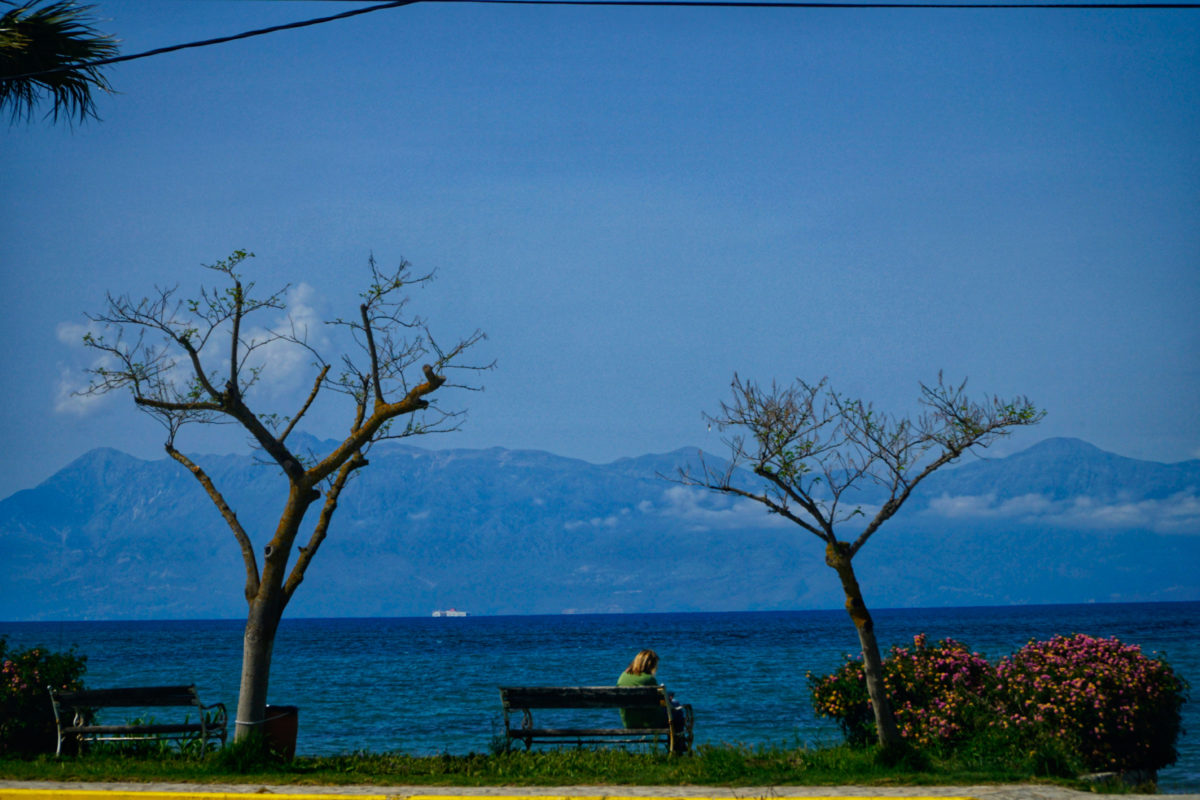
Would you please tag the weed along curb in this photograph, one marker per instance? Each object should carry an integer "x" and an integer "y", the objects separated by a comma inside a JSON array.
[{"x": 60, "y": 791}]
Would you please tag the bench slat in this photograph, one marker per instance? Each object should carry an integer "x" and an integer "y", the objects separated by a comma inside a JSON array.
[
  {"x": 140, "y": 696},
  {"x": 135, "y": 729},
  {"x": 582, "y": 696},
  {"x": 521, "y": 733}
]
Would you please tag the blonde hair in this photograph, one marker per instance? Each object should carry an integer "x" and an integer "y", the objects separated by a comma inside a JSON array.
[{"x": 643, "y": 663}]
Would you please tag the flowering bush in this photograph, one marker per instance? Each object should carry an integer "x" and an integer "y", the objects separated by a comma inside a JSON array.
[
  {"x": 26, "y": 718},
  {"x": 1119, "y": 707},
  {"x": 1095, "y": 703},
  {"x": 842, "y": 697},
  {"x": 936, "y": 692}
]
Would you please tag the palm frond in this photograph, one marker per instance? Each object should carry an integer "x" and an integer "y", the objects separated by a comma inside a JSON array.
[{"x": 45, "y": 51}]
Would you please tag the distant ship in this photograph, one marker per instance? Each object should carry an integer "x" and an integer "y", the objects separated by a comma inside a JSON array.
[{"x": 450, "y": 612}]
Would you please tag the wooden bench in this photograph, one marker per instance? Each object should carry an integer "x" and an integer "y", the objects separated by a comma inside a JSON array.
[
  {"x": 524, "y": 699},
  {"x": 74, "y": 714}
]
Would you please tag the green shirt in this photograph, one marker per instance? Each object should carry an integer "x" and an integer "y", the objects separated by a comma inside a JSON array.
[{"x": 641, "y": 717}]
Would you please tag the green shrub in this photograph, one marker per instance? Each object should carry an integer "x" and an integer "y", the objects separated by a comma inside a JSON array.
[
  {"x": 1118, "y": 707},
  {"x": 249, "y": 754},
  {"x": 1022, "y": 752},
  {"x": 26, "y": 717}
]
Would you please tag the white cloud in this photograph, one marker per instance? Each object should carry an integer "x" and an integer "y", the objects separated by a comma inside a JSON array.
[
  {"x": 713, "y": 511},
  {"x": 67, "y": 397},
  {"x": 1179, "y": 513},
  {"x": 595, "y": 522},
  {"x": 709, "y": 511},
  {"x": 72, "y": 333},
  {"x": 985, "y": 505},
  {"x": 72, "y": 377},
  {"x": 285, "y": 366},
  {"x": 967, "y": 505},
  {"x": 303, "y": 313}
]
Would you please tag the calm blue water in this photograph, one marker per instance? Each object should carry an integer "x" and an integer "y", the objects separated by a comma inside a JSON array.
[{"x": 425, "y": 685}]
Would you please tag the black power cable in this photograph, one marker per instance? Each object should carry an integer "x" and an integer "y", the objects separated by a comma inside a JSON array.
[{"x": 660, "y": 3}]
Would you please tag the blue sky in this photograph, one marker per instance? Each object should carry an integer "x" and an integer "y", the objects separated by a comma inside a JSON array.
[{"x": 634, "y": 203}]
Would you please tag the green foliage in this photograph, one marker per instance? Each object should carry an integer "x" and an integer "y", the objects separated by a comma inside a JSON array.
[
  {"x": 905, "y": 756},
  {"x": 55, "y": 38},
  {"x": 190, "y": 745},
  {"x": 1060, "y": 707},
  {"x": 722, "y": 765},
  {"x": 248, "y": 754},
  {"x": 1032, "y": 753},
  {"x": 26, "y": 716},
  {"x": 132, "y": 748}
]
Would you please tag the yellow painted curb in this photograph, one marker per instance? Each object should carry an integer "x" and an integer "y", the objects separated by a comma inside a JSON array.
[
  {"x": 672, "y": 797},
  {"x": 665, "y": 796},
  {"x": 153, "y": 794}
]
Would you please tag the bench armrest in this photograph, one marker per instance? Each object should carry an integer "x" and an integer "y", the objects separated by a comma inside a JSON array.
[{"x": 219, "y": 706}]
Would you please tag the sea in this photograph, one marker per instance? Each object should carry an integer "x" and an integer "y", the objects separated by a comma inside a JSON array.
[{"x": 429, "y": 685}]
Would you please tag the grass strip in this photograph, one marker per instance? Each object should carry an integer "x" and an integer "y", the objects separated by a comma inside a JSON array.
[{"x": 726, "y": 765}]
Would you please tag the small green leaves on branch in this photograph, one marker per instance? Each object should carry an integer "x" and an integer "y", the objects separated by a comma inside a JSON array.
[
  {"x": 193, "y": 359},
  {"x": 816, "y": 448}
]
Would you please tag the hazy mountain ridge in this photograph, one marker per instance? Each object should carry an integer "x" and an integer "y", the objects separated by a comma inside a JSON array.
[
  {"x": 1064, "y": 468},
  {"x": 520, "y": 531}
]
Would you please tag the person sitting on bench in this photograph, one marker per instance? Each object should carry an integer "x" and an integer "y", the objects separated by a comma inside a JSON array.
[{"x": 641, "y": 672}]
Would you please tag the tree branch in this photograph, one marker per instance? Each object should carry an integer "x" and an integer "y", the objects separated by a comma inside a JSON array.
[
  {"x": 296, "y": 577},
  {"x": 373, "y": 353},
  {"x": 163, "y": 405},
  {"x": 236, "y": 335},
  {"x": 804, "y": 500},
  {"x": 716, "y": 482},
  {"x": 303, "y": 409},
  {"x": 414, "y": 400},
  {"x": 231, "y": 519},
  {"x": 275, "y": 448}
]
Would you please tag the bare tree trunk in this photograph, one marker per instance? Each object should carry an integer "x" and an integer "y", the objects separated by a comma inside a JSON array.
[
  {"x": 837, "y": 556},
  {"x": 257, "y": 645},
  {"x": 266, "y": 609}
]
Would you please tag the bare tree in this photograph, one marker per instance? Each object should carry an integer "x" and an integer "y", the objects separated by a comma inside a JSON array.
[
  {"x": 815, "y": 450},
  {"x": 196, "y": 360}
]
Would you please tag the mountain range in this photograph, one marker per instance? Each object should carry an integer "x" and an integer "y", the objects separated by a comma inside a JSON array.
[{"x": 502, "y": 531}]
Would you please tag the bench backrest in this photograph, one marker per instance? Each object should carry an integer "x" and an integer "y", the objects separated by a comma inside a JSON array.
[
  {"x": 583, "y": 696},
  {"x": 137, "y": 697}
]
